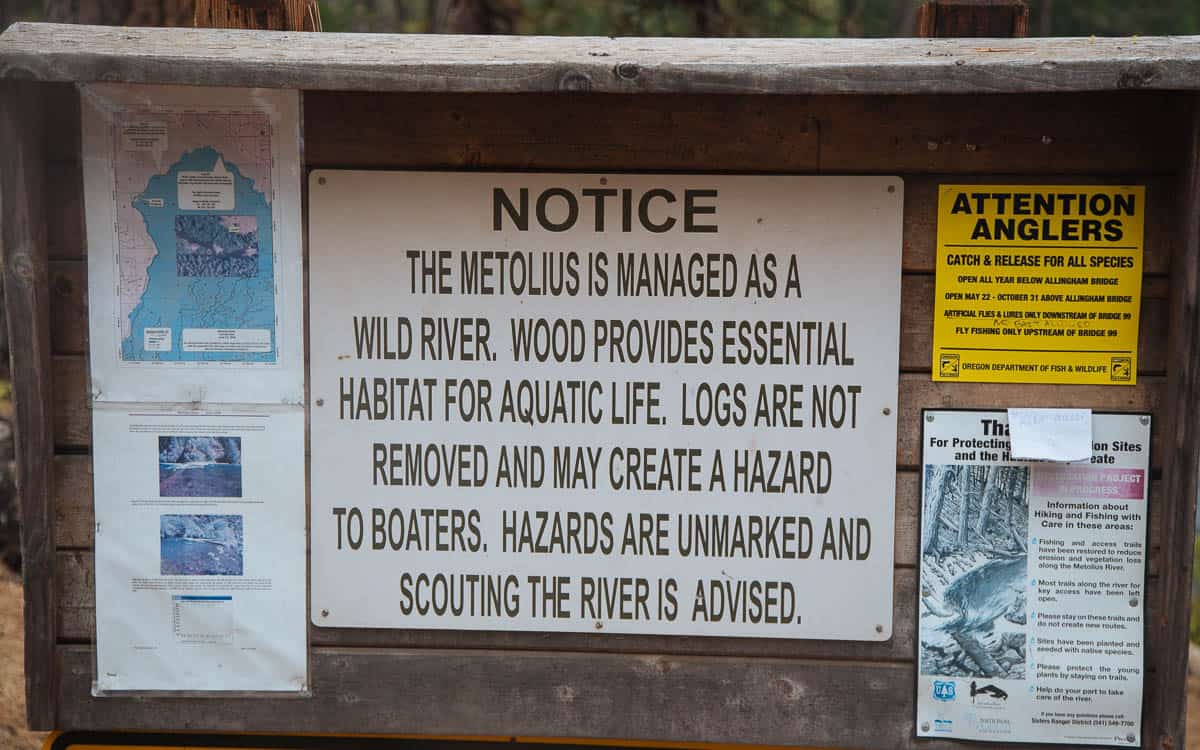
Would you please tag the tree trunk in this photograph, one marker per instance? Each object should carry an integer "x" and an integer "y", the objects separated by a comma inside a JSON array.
[
  {"x": 933, "y": 512},
  {"x": 964, "y": 506},
  {"x": 985, "y": 502},
  {"x": 473, "y": 16},
  {"x": 120, "y": 12}
]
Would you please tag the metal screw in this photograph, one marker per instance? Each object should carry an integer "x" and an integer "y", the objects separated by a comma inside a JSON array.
[
  {"x": 1129, "y": 737},
  {"x": 925, "y": 726},
  {"x": 878, "y": 628},
  {"x": 320, "y": 180},
  {"x": 886, "y": 411},
  {"x": 603, "y": 180},
  {"x": 599, "y": 625},
  {"x": 891, "y": 188},
  {"x": 1133, "y": 602},
  {"x": 324, "y": 613},
  {"x": 320, "y": 402},
  {"x": 1145, "y": 420},
  {"x": 928, "y": 417}
]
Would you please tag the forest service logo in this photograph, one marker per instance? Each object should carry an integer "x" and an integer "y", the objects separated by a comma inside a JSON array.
[{"x": 943, "y": 690}]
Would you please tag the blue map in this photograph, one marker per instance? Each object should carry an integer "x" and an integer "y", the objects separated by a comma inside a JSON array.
[{"x": 211, "y": 269}]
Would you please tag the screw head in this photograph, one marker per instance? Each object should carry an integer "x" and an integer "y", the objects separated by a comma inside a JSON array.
[
  {"x": 1133, "y": 602},
  {"x": 928, "y": 417},
  {"x": 599, "y": 625},
  {"x": 324, "y": 613},
  {"x": 925, "y": 726},
  {"x": 320, "y": 402},
  {"x": 886, "y": 411},
  {"x": 320, "y": 180}
]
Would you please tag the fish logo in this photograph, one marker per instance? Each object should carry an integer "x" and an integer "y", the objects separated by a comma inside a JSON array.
[{"x": 948, "y": 365}]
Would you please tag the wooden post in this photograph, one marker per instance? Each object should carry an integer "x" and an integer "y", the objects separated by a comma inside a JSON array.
[
  {"x": 269, "y": 15},
  {"x": 26, "y": 288},
  {"x": 973, "y": 18},
  {"x": 1166, "y": 691}
]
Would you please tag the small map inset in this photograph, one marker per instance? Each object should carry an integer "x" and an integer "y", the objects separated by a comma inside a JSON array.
[{"x": 218, "y": 246}]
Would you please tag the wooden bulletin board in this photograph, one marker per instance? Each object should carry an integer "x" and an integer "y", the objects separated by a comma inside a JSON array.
[{"x": 931, "y": 111}]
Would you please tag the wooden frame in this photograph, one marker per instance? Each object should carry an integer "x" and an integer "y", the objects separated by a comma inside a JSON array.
[{"x": 1086, "y": 111}]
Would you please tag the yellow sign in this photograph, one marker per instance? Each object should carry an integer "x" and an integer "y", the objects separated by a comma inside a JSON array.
[{"x": 1038, "y": 283}]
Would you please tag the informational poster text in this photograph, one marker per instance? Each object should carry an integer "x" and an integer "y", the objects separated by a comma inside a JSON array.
[
  {"x": 1038, "y": 283},
  {"x": 1032, "y": 585},
  {"x": 604, "y": 403},
  {"x": 200, "y": 550}
]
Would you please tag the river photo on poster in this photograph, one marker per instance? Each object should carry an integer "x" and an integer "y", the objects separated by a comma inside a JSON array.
[
  {"x": 199, "y": 466},
  {"x": 973, "y": 565}
]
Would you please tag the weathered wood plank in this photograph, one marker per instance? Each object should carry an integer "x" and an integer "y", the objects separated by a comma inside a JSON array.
[
  {"x": 1166, "y": 693},
  {"x": 1114, "y": 134},
  {"x": 72, "y": 415},
  {"x": 68, "y": 307},
  {"x": 74, "y": 513},
  {"x": 548, "y": 694},
  {"x": 23, "y": 218},
  {"x": 414, "y": 62}
]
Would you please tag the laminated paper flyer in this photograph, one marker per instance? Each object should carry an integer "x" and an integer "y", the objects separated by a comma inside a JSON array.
[
  {"x": 200, "y": 550},
  {"x": 1038, "y": 283},
  {"x": 194, "y": 248},
  {"x": 1032, "y": 585}
]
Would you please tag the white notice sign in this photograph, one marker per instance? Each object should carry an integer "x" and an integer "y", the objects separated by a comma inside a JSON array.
[
  {"x": 616, "y": 404},
  {"x": 1032, "y": 585}
]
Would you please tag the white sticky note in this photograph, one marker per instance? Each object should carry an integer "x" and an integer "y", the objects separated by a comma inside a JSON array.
[{"x": 1050, "y": 434}]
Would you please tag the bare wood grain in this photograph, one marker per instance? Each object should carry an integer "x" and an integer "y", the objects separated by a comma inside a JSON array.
[
  {"x": 413, "y": 62},
  {"x": 23, "y": 217},
  {"x": 68, "y": 307},
  {"x": 549, "y": 694},
  {"x": 1166, "y": 693},
  {"x": 1108, "y": 134}
]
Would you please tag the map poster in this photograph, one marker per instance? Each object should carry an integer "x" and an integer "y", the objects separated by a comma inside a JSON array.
[
  {"x": 194, "y": 246},
  {"x": 200, "y": 549},
  {"x": 1032, "y": 585},
  {"x": 1038, "y": 283}
]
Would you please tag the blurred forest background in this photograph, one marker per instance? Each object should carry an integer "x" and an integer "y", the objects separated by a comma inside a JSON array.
[{"x": 757, "y": 18}]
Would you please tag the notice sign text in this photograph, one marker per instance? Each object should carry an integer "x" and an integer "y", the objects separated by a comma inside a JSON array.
[
  {"x": 630, "y": 404},
  {"x": 1038, "y": 283}
]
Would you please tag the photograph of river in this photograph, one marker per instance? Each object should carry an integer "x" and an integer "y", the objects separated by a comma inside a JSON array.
[
  {"x": 200, "y": 545},
  {"x": 199, "y": 466}
]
